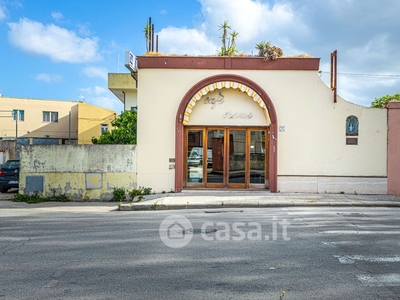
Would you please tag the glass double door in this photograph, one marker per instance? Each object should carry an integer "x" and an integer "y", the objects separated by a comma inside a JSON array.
[{"x": 226, "y": 157}]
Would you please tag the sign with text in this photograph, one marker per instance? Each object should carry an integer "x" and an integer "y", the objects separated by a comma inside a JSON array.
[
  {"x": 227, "y": 107},
  {"x": 130, "y": 61}
]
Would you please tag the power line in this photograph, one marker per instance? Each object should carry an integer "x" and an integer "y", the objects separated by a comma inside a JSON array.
[{"x": 382, "y": 76}]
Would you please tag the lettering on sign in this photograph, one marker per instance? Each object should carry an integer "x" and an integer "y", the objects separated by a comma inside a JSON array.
[
  {"x": 351, "y": 141},
  {"x": 231, "y": 115},
  {"x": 214, "y": 101}
]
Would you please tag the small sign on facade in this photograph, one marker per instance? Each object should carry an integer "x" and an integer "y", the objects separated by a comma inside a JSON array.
[
  {"x": 172, "y": 163},
  {"x": 351, "y": 141}
]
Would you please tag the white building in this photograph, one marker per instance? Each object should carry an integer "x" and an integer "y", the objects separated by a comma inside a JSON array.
[{"x": 242, "y": 122}]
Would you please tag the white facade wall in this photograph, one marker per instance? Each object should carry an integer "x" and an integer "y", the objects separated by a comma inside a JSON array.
[
  {"x": 130, "y": 99},
  {"x": 312, "y": 145}
]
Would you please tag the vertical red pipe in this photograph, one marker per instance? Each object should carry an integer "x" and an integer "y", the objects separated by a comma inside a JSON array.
[
  {"x": 334, "y": 74},
  {"x": 393, "y": 151}
]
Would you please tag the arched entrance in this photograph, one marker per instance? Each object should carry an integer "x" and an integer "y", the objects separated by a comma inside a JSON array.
[{"x": 226, "y": 135}]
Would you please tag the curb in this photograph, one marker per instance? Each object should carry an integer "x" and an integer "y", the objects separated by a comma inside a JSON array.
[{"x": 146, "y": 207}]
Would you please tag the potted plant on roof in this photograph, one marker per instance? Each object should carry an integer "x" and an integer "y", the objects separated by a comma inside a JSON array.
[{"x": 267, "y": 51}]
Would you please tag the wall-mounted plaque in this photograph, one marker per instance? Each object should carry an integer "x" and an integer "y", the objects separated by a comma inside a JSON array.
[{"x": 351, "y": 141}]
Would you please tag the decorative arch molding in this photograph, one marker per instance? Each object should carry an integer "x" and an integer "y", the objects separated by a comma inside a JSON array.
[
  {"x": 227, "y": 85},
  {"x": 201, "y": 87}
]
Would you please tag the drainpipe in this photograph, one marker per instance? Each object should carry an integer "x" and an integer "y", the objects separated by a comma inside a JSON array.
[{"x": 123, "y": 92}]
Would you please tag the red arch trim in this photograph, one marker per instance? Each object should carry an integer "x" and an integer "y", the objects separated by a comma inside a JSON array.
[{"x": 179, "y": 133}]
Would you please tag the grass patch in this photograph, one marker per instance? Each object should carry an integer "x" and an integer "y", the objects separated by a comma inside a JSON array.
[{"x": 32, "y": 199}]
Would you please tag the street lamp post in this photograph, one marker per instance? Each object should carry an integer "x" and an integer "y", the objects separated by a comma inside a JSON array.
[{"x": 17, "y": 113}]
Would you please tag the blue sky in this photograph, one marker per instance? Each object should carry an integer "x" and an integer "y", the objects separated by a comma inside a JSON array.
[{"x": 64, "y": 49}]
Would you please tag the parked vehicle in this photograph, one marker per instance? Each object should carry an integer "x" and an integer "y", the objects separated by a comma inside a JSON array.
[
  {"x": 9, "y": 175},
  {"x": 195, "y": 157}
]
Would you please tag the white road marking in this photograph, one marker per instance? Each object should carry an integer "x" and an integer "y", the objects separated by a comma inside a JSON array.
[
  {"x": 391, "y": 279},
  {"x": 359, "y": 232},
  {"x": 344, "y": 260},
  {"x": 13, "y": 239},
  {"x": 342, "y": 243},
  {"x": 349, "y": 259}
]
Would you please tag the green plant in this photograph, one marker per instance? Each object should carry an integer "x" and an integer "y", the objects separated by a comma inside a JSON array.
[
  {"x": 269, "y": 52},
  {"x": 124, "y": 132},
  {"x": 135, "y": 193},
  {"x": 261, "y": 47},
  {"x": 228, "y": 40},
  {"x": 35, "y": 198},
  {"x": 282, "y": 295},
  {"x": 59, "y": 198},
  {"x": 118, "y": 195},
  {"x": 154, "y": 206},
  {"x": 147, "y": 191},
  {"x": 146, "y": 31},
  {"x": 140, "y": 192},
  {"x": 382, "y": 101},
  {"x": 27, "y": 198}
]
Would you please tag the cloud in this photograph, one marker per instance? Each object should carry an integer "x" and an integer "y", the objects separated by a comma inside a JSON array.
[
  {"x": 256, "y": 22},
  {"x": 84, "y": 29},
  {"x": 100, "y": 96},
  {"x": 96, "y": 90},
  {"x": 255, "y": 19},
  {"x": 57, "y": 15},
  {"x": 2, "y": 13},
  {"x": 48, "y": 77},
  {"x": 96, "y": 72},
  {"x": 59, "y": 44},
  {"x": 109, "y": 102},
  {"x": 185, "y": 41}
]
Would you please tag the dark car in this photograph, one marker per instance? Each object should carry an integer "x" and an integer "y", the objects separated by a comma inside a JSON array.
[{"x": 9, "y": 175}]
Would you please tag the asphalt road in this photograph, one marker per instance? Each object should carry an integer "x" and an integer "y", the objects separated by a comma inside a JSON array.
[{"x": 90, "y": 251}]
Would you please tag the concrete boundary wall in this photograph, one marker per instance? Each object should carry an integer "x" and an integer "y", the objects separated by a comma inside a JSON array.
[{"x": 81, "y": 172}]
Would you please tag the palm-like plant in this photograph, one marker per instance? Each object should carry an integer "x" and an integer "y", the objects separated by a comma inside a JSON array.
[
  {"x": 269, "y": 52},
  {"x": 234, "y": 35},
  {"x": 146, "y": 31},
  {"x": 261, "y": 46},
  {"x": 224, "y": 26},
  {"x": 228, "y": 43}
]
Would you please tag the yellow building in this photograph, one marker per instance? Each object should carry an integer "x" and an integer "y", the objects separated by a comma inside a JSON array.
[
  {"x": 124, "y": 87},
  {"x": 38, "y": 121},
  {"x": 92, "y": 121}
]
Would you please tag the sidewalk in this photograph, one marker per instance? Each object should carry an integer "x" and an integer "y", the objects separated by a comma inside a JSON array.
[{"x": 192, "y": 199}]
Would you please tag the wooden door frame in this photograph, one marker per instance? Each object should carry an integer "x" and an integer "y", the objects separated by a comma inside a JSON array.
[
  {"x": 227, "y": 160},
  {"x": 180, "y": 132},
  {"x": 226, "y": 157}
]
